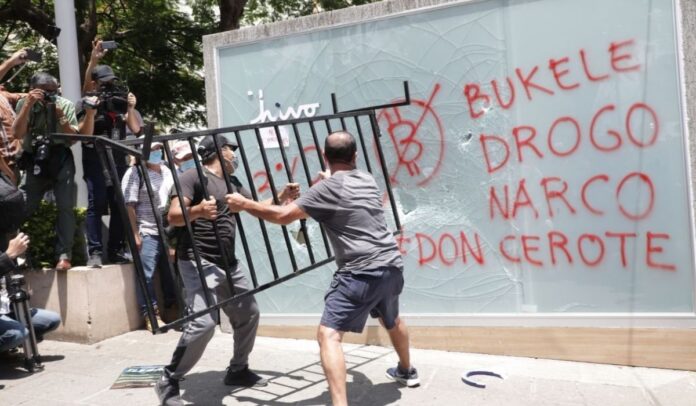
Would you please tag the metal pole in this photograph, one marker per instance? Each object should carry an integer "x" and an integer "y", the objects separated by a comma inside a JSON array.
[{"x": 69, "y": 70}]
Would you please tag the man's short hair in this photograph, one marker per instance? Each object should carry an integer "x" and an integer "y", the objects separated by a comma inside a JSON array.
[
  {"x": 41, "y": 79},
  {"x": 340, "y": 147}
]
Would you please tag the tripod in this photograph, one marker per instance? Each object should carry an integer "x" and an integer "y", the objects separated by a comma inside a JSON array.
[{"x": 20, "y": 305}]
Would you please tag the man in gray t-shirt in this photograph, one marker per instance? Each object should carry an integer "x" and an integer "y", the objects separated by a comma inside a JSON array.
[
  {"x": 369, "y": 278},
  {"x": 349, "y": 205}
]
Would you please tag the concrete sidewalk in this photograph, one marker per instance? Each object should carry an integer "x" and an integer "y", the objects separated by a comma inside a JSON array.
[{"x": 78, "y": 374}]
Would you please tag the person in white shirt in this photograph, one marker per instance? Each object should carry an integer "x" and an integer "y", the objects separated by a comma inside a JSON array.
[{"x": 144, "y": 225}]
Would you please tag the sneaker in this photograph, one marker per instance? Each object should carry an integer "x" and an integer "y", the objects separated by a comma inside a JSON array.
[
  {"x": 168, "y": 391},
  {"x": 408, "y": 378},
  {"x": 244, "y": 377},
  {"x": 118, "y": 258},
  {"x": 95, "y": 260},
  {"x": 148, "y": 325}
]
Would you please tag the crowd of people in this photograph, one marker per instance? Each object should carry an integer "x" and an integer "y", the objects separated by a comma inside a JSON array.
[
  {"x": 33, "y": 163},
  {"x": 17, "y": 118},
  {"x": 347, "y": 201}
]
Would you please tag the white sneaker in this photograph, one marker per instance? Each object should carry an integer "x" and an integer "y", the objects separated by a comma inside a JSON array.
[{"x": 408, "y": 378}]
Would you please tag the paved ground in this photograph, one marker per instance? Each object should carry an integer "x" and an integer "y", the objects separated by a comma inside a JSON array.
[{"x": 77, "y": 374}]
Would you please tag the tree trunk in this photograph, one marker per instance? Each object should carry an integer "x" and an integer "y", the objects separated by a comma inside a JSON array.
[
  {"x": 231, "y": 12},
  {"x": 35, "y": 17}
]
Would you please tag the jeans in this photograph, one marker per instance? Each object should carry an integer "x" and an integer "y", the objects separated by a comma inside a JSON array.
[
  {"x": 13, "y": 333},
  {"x": 153, "y": 256},
  {"x": 99, "y": 198},
  {"x": 63, "y": 185}
]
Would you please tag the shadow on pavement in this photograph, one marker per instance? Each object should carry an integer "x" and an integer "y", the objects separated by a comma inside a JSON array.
[
  {"x": 206, "y": 388},
  {"x": 12, "y": 365}
]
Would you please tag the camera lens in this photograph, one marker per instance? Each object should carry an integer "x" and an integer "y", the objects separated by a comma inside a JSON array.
[
  {"x": 42, "y": 152},
  {"x": 50, "y": 97}
]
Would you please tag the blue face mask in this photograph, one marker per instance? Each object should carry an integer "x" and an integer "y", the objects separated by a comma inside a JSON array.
[
  {"x": 155, "y": 157},
  {"x": 186, "y": 165},
  {"x": 235, "y": 163}
]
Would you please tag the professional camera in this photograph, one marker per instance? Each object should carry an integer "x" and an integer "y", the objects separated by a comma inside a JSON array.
[
  {"x": 42, "y": 148},
  {"x": 50, "y": 97},
  {"x": 38, "y": 161},
  {"x": 113, "y": 97}
]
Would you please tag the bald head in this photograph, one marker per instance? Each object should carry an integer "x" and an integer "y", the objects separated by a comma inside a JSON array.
[{"x": 340, "y": 148}]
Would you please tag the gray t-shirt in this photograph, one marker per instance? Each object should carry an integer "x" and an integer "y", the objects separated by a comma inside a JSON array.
[{"x": 349, "y": 205}]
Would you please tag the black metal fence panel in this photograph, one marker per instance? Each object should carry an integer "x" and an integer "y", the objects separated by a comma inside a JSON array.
[{"x": 306, "y": 245}]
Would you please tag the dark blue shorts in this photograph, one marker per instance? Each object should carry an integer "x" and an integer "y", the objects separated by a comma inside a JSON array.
[{"x": 352, "y": 297}]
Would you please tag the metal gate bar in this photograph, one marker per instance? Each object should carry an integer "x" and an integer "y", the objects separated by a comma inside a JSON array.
[
  {"x": 288, "y": 173},
  {"x": 266, "y": 165},
  {"x": 262, "y": 224},
  {"x": 322, "y": 165}
]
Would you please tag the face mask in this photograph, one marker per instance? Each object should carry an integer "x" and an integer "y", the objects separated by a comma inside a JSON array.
[
  {"x": 235, "y": 163},
  {"x": 155, "y": 157},
  {"x": 186, "y": 165}
]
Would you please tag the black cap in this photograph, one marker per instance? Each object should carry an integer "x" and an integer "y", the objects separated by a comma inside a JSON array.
[
  {"x": 103, "y": 73},
  {"x": 206, "y": 148}
]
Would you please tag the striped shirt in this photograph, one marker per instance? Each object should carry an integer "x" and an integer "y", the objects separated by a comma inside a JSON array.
[{"x": 135, "y": 194}]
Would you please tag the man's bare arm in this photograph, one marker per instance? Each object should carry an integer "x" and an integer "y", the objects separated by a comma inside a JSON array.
[{"x": 275, "y": 214}]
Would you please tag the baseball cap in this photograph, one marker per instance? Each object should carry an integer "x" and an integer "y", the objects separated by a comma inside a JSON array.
[
  {"x": 103, "y": 73},
  {"x": 206, "y": 148},
  {"x": 181, "y": 149}
]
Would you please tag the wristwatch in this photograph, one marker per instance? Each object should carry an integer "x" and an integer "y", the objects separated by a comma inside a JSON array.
[{"x": 63, "y": 120}]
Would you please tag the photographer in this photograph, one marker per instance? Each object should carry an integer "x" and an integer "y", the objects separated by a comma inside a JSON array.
[
  {"x": 12, "y": 205},
  {"x": 115, "y": 114},
  {"x": 10, "y": 146},
  {"x": 48, "y": 162},
  {"x": 12, "y": 332}
]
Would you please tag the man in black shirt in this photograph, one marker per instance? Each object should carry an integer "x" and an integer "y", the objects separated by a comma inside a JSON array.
[
  {"x": 204, "y": 211},
  {"x": 116, "y": 114}
]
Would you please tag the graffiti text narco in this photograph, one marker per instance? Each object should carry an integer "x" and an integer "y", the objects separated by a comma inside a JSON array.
[{"x": 630, "y": 195}]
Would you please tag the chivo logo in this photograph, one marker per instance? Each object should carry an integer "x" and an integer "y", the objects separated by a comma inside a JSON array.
[
  {"x": 268, "y": 134},
  {"x": 306, "y": 110}
]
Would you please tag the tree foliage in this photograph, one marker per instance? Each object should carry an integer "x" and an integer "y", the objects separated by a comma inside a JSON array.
[
  {"x": 41, "y": 229},
  {"x": 160, "y": 42},
  {"x": 267, "y": 11}
]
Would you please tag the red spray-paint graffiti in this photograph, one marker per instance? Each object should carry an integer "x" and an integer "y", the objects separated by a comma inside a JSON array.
[
  {"x": 406, "y": 128},
  {"x": 262, "y": 176}
]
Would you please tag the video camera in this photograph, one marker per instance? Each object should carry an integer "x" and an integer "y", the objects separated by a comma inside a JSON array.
[
  {"x": 50, "y": 97},
  {"x": 113, "y": 97}
]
